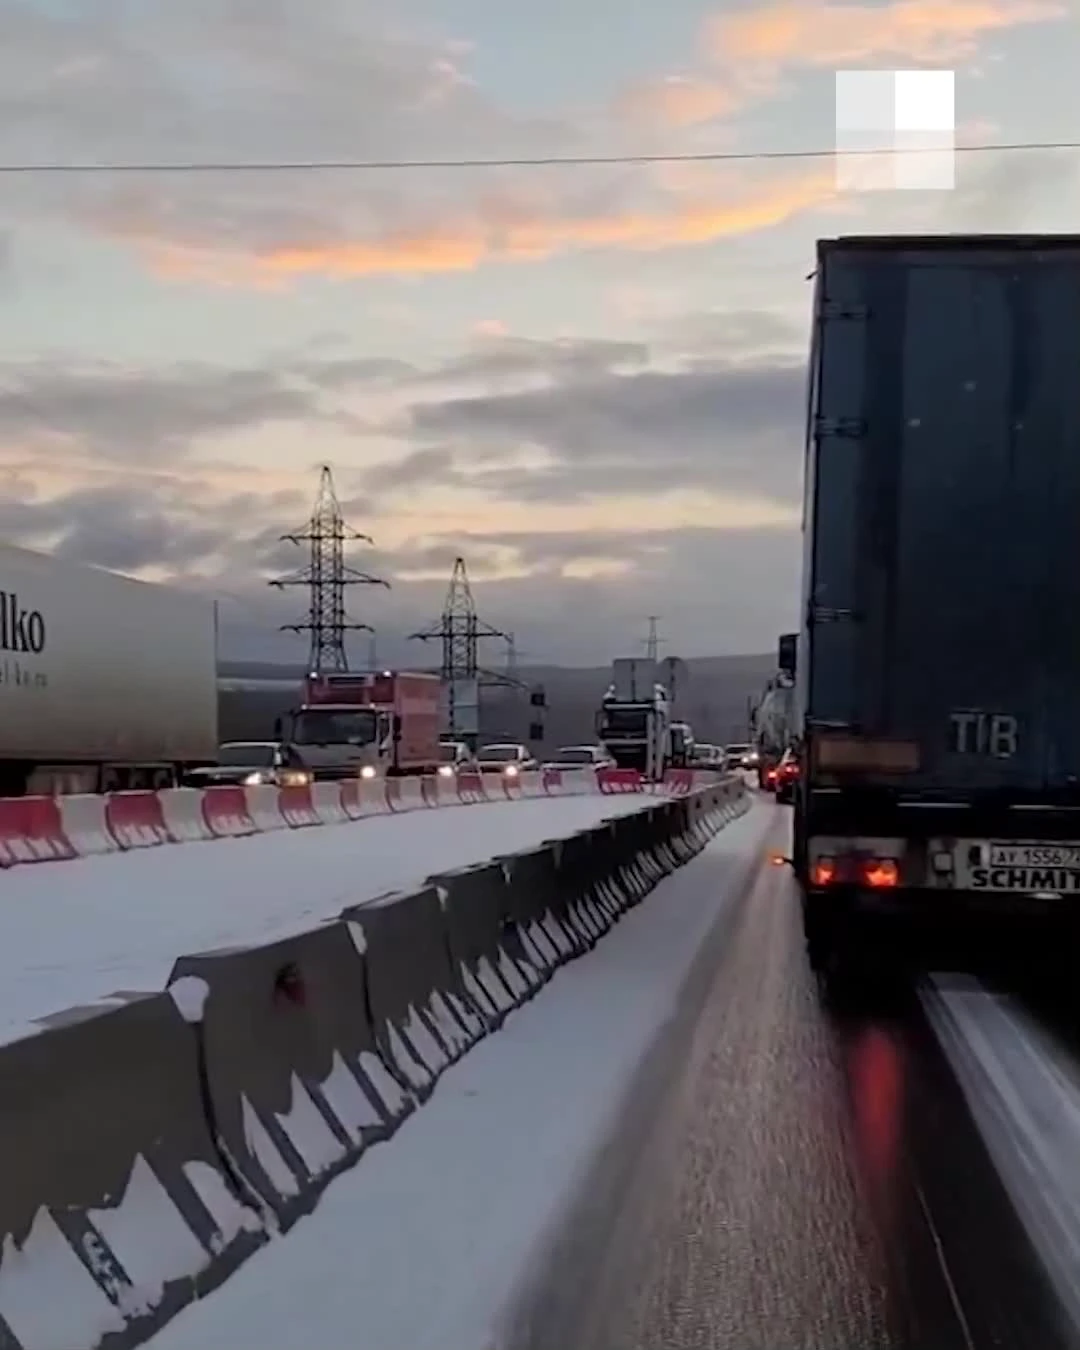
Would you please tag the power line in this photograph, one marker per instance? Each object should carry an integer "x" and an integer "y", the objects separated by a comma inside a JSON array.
[{"x": 28, "y": 169}]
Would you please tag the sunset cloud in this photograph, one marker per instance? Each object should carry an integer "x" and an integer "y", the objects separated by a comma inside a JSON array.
[
  {"x": 795, "y": 33},
  {"x": 747, "y": 51},
  {"x": 472, "y": 240},
  {"x": 679, "y": 101}
]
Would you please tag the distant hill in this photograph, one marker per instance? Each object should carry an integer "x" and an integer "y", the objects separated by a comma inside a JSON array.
[{"x": 713, "y": 699}]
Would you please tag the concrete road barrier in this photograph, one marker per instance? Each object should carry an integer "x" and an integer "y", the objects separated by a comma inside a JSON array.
[
  {"x": 422, "y": 1018},
  {"x": 149, "y": 1147},
  {"x": 44, "y": 829},
  {"x": 296, "y": 1084}
]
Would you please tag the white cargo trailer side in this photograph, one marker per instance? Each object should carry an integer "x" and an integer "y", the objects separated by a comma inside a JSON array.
[{"x": 101, "y": 670}]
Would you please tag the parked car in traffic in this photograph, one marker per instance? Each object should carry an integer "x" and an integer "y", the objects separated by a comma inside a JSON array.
[
  {"x": 250, "y": 764},
  {"x": 509, "y": 758},
  {"x": 455, "y": 756},
  {"x": 580, "y": 757}
]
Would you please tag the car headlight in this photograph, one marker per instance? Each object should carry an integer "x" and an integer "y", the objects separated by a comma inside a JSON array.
[
  {"x": 294, "y": 778},
  {"x": 511, "y": 771},
  {"x": 367, "y": 771},
  {"x": 446, "y": 771},
  {"x": 255, "y": 779}
]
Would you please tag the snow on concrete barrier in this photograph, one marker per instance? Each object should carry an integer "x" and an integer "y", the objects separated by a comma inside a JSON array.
[
  {"x": 227, "y": 812},
  {"x": 296, "y": 1086},
  {"x": 620, "y": 780},
  {"x": 680, "y": 781},
  {"x": 423, "y": 1018},
  {"x": 116, "y": 1208},
  {"x": 532, "y": 784},
  {"x": 362, "y": 798},
  {"x": 264, "y": 807},
  {"x": 86, "y": 826},
  {"x": 405, "y": 794},
  {"x": 185, "y": 818},
  {"x": 151, "y": 1146},
  {"x": 533, "y": 896},
  {"x": 576, "y": 782},
  {"x": 328, "y": 802},
  {"x": 475, "y": 903},
  {"x": 470, "y": 786},
  {"x": 32, "y": 830},
  {"x": 297, "y": 806},
  {"x": 137, "y": 820}
]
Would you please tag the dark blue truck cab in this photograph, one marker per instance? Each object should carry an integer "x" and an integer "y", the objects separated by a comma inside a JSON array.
[{"x": 938, "y": 684}]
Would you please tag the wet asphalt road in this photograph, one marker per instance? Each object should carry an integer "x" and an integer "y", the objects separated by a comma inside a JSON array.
[{"x": 786, "y": 1179}]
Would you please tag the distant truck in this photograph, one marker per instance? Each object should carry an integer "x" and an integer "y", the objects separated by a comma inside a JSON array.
[
  {"x": 634, "y": 719},
  {"x": 773, "y": 724},
  {"x": 939, "y": 661},
  {"x": 106, "y": 683},
  {"x": 680, "y": 745},
  {"x": 365, "y": 725}
]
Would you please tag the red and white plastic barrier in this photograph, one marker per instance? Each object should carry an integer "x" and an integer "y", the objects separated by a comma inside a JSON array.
[{"x": 52, "y": 829}]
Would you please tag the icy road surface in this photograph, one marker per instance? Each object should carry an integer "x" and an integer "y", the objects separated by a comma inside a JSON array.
[
  {"x": 72, "y": 933},
  {"x": 423, "y": 1246}
]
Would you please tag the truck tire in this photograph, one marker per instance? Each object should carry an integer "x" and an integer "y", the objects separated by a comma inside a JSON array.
[{"x": 819, "y": 932}]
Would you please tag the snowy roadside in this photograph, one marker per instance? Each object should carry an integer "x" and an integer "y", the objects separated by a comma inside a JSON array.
[
  {"x": 73, "y": 933},
  {"x": 427, "y": 1241}
]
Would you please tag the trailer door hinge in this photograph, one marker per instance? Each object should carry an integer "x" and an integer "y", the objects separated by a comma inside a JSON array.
[
  {"x": 840, "y": 426},
  {"x": 823, "y": 614},
  {"x": 841, "y": 309}
]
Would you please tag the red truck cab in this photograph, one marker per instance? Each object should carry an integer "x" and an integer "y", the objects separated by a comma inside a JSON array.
[{"x": 371, "y": 725}]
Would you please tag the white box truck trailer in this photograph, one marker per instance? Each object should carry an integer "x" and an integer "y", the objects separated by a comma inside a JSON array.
[{"x": 105, "y": 682}]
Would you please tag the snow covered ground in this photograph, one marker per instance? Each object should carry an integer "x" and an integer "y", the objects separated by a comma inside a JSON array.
[
  {"x": 72, "y": 933},
  {"x": 426, "y": 1242}
]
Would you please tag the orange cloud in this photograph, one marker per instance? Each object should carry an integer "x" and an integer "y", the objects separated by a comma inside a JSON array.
[
  {"x": 794, "y": 33},
  {"x": 679, "y": 101},
  {"x": 461, "y": 247}
]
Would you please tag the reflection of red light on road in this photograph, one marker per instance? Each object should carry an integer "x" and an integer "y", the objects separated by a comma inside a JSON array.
[{"x": 877, "y": 1083}]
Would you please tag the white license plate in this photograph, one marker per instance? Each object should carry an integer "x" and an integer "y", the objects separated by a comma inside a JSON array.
[
  {"x": 1031, "y": 855},
  {"x": 1025, "y": 869}
]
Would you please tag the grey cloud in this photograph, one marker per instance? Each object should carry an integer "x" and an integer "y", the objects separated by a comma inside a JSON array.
[
  {"x": 735, "y": 427},
  {"x": 277, "y": 80},
  {"x": 736, "y": 335},
  {"x": 717, "y": 591},
  {"x": 1010, "y": 192},
  {"x": 115, "y": 528},
  {"x": 124, "y": 414},
  {"x": 346, "y": 373},
  {"x": 561, "y": 359},
  {"x": 487, "y": 361}
]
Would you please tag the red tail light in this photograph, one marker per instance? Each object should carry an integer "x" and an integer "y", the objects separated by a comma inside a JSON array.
[
  {"x": 881, "y": 873},
  {"x": 823, "y": 872}
]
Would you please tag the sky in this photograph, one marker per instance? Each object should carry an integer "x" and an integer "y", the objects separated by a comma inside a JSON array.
[{"x": 589, "y": 381}]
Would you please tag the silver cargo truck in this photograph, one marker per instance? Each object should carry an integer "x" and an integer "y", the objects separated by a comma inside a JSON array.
[
  {"x": 938, "y": 685},
  {"x": 105, "y": 682}
]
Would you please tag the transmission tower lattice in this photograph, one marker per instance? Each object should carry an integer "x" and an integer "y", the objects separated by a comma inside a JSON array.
[
  {"x": 326, "y": 577},
  {"x": 459, "y": 630},
  {"x": 652, "y": 644}
]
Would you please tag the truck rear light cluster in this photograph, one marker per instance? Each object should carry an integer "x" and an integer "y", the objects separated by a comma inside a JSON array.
[
  {"x": 881, "y": 873},
  {"x": 855, "y": 870},
  {"x": 824, "y": 872}
]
